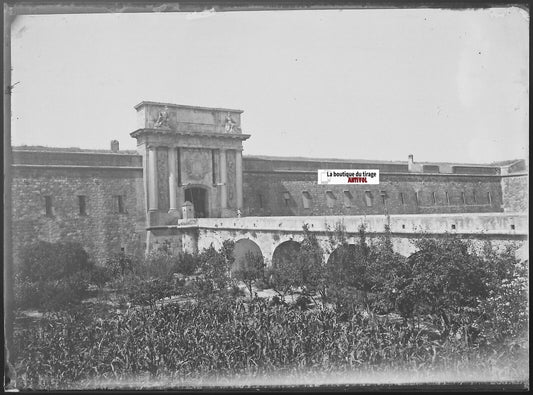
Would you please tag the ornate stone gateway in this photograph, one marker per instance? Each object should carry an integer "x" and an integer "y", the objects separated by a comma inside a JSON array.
[{"x": 190, "y": 154}]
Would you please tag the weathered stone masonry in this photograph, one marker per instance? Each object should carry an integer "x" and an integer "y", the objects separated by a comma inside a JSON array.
[
  {"x": 114, "y": 200},
  {"x": 100, "y": 178}
]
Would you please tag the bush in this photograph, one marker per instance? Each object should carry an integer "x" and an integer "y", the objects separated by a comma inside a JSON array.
[
  {"x": 187, "y": 263},
  {"x": 101, "y": 275},
  {"x": 149, "y": 292},
  {"x": 44, "y": 261},
  {"x": 249, "y": 270},
  {"x": 52, "y": 275},
  {"x": 157, "y": 264},
  {"x": 215, "y": 266},
  {"x": 120, "y": 264},
  {"x": 305, "y": 273},
  {"x": 504, "y": 311}
]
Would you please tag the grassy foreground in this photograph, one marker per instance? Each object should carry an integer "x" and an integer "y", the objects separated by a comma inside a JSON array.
[{"x": 228, "y": 342}]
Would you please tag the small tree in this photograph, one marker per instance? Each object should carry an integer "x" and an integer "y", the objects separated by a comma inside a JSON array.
[
  {"x": 249, "y": 270},
  {"x": 348, "y": 266},
  {"x": 215, "y": 267},
  {"x": 306, "y": 271},
  {"x": 52, "y": 275}
]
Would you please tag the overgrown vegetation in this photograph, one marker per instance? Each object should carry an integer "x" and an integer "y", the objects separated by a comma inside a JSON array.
[
  {"x": 53, "y": 275},
  {"x": 231, "y": 337},
  {"x": 367, "y": 308}
]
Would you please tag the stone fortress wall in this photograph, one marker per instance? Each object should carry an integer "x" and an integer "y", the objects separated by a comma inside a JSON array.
[
  {"x": 74, "y": 196},
  {"x": 112, "y": 200},
  {"x": 276, "y": 186}
]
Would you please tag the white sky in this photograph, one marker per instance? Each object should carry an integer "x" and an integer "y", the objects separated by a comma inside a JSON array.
[{"x": 443, "y": 85}]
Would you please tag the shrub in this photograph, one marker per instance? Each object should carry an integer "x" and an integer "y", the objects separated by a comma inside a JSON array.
[
  {"x": 215, "y": 266},
  {"x": 44, "y": 261},
  {"x": 120, "y": 264},
  {"x": 249, "y": 270},
  {"x": 306, "y": 272},
  {"x": 52, "y": 275},
  {"x": 149, "y": 292},
  {"x": 187, "y": 263},
  {"x": 101, "y": 275},
  {"x": 158, "y": 263},
  {"x": 505, "y": 309}
]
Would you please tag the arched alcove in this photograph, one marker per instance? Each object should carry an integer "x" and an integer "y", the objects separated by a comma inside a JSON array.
[
  {"x": 285, "y": 252},
  {"x": 243, "y": 247}
]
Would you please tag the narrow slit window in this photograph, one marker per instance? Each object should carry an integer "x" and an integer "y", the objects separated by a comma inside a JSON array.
[
  {"x": 447, "y": 198},
  {"x": 260, "y": 200},
  {"x": 416, "y": 198},
  {"x": 82, "y": 203},
  {"x": 463, "y": 198},
  {"x": 119, "y": 204},
  {"x": 434, "y": 196},
  {"x": 368, "y": 199},
  {"x": 383, "y": 195},
  {"x": 48, "y": 206},
  {"x": 489, "y": 198},
  {"x": 474, "y": 196},
  {"x": 347, "y": 199},
  {"x": 306, "y": 199},
  {"x": 330, "y": 199},
  {"x": 402, "y": 199}
]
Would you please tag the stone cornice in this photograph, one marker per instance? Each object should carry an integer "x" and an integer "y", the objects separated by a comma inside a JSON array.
[
  {"x": 81, "y": 167},
  {"x": 169, "y": 132},
  {"x": 381, "y": 173},
  {"x": 170, "y": 105}
]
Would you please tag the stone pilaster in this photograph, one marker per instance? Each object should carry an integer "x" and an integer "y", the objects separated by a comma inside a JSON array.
[
  {"x": 172, "y": 179},
  {"x": 238, "y": 177},
  {"x": 152, "y": 179},
  {"x": 223, "y": 180}
]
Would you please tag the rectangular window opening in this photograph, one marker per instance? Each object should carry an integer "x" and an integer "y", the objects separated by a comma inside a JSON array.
[
  {"x": 474, "y": 197},
  {"x": 306, "y": 199},
  {"x": 463, "y": 198},
  {"x": 368, "y": 199},
  {"x": 82, "y": 204},
  {"x": 416, "y": 198},
  {"x": 347, "y": 199},
  {"x": 260, "y": 200},
  {"x": 447, "y": 198},
  {"x": 383, "y": 195},
  {"x": 119, "y": 204},
  {"x": 48, "y": 206},
  {"x": 330, "y": 199},
  {"x": 401, "y": 198}
]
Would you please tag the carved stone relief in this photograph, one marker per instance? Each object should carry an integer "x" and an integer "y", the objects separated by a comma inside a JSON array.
[
  {"x": 230, "y": 178},
  {"x": 197, "y": 166},
  {"x": 162, "y": 179}
]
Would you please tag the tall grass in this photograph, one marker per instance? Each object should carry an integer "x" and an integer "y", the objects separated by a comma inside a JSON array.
[{"x": 205, "y": 339}]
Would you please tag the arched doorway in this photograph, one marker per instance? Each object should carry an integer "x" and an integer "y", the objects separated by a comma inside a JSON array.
[{"x": 198, "y": 197}]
